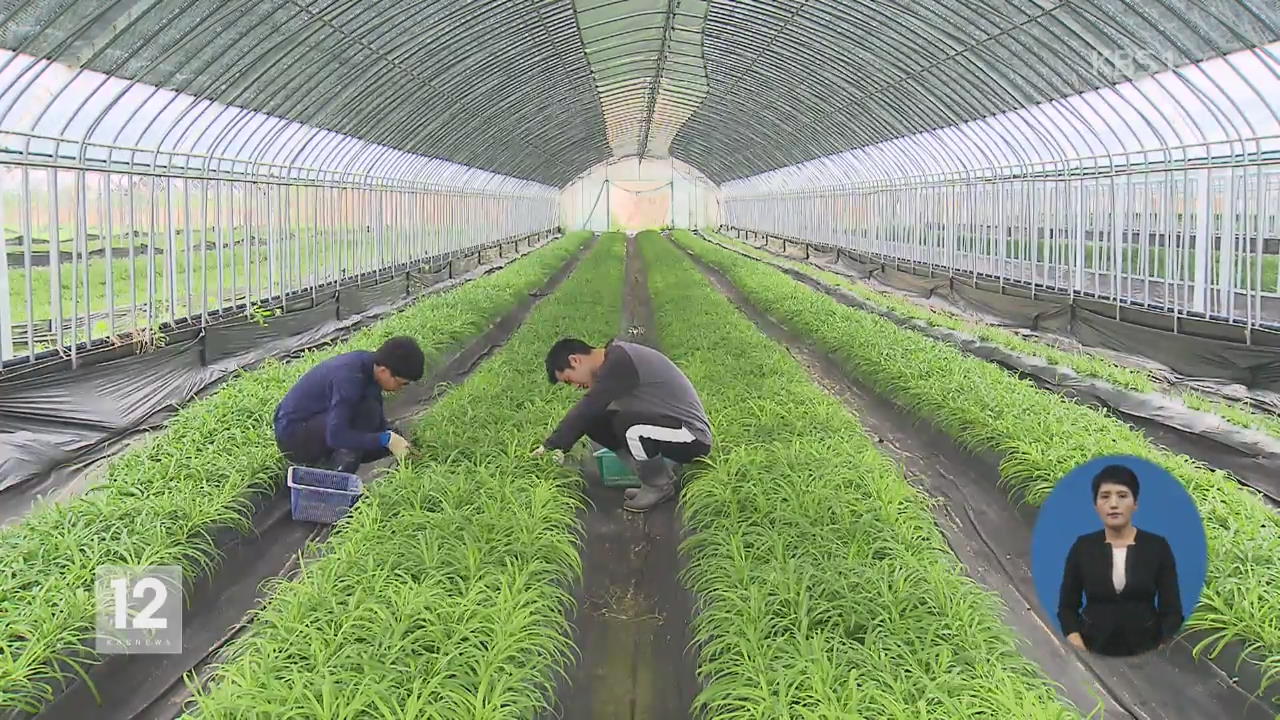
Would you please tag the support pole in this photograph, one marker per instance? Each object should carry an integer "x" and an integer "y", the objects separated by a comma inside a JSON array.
[
  {"x": 1226, "y": 247},
  {"x": 6, "y": 314},
  {"x": 673, "y": 191},
  {"x": 1204, "y": 242}
]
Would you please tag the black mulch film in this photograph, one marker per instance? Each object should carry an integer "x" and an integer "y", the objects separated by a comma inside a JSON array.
[
  {"x": 151, "y": 687},
  {"x": 1252, "y": 456},
  {"x": 57, "y": 424},
  {"x": 631, "y": 623},
  {"x": 991, "y": 535},
  {"x": 631, "y": 620}
]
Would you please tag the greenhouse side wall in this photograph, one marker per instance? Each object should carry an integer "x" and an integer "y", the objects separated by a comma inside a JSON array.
[
  {"x": 1192, "y": 347},
  {"x": 60, "y": 412},
  {"x": 96, "y": 258}
]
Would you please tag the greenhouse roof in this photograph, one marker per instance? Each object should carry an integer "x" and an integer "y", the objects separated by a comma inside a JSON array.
[{"x": 545, "y": 90}]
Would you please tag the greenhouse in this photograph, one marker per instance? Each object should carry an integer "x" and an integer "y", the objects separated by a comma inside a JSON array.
[{"x": 640, "y": 359}]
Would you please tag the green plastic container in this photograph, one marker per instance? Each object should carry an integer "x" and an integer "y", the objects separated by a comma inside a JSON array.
[{"x": 613, "y": 472}]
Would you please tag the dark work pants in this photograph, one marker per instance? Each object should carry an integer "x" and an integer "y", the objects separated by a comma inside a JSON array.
[
  {"x": 306, "y": 444},
  {"x": 646, "y": 437}
]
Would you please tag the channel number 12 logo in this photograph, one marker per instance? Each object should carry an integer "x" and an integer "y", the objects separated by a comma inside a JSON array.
[{"x": 139, "y": 609}]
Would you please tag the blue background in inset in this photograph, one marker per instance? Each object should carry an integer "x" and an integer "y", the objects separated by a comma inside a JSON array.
[{"x": 1164, "y": 508}]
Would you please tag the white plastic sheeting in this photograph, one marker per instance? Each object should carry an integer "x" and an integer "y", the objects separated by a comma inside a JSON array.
[{"x": 635, "y": 194}]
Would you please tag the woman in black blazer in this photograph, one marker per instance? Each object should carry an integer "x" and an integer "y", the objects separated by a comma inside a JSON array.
[{"x": 1128, "y": 576}]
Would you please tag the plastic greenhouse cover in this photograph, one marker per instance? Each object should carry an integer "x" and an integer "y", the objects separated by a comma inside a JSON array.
[{"x": 55, "y": 423}]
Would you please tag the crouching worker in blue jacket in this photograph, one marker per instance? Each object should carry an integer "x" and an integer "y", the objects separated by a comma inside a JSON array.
[{"x": 333, "y": 417}]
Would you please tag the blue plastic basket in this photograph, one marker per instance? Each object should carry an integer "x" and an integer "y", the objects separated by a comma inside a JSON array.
[{"x": 322, "y": 496}]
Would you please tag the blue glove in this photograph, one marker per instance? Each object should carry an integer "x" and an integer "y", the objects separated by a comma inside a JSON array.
[{"x": 392, "y": 441}]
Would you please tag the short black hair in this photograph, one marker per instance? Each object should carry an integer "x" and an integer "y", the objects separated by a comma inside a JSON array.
[
  {"x": 402, "y": 356},
  {"x": 558, "y": 355},
  {"x": 1118, "y": 475}
]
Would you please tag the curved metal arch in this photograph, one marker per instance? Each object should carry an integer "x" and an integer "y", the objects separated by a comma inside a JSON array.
[
  {"x": 1220, "y": 49},
  {"x": 177, "y": 124},
  {"x": 21, "y": 48},
  {"x": 739, "y": 81},
  {"x": 653, "y": 79},
  {"x": 299, "y": 90},
  {"x": 369, "y": 70},
  {"x": 131, "y": 84},
  {"x": 305, "y": 96},
  {"x": 510, "y": 82},
  {"x": 239, "y": 116},
  {"x": 1046, "y": 89},
  {"x": 268, "y": 143},
  {"x": 754, "y": 128},
  {"x": 712, "y": 149},
  {"x": 1047, "y": 74},
  {"x": 1132, "y": 36},
  {"x": 72, "y": 117},
  {"x": 355, "y": 159}
]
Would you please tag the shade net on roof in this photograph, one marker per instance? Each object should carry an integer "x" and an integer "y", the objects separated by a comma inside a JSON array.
[
  {"x": 501, "y": 87},
  {"x": 543, "y": 90}
]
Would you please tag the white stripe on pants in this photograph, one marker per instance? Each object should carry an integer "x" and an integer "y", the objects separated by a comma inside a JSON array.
[{"x": 636, "y": 433}]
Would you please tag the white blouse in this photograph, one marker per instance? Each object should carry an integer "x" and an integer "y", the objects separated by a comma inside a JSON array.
[{"x": 1117, "y": 566}]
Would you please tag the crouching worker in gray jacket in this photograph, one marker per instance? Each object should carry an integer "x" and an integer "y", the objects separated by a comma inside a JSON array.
[{"x": 638, "y": 404}]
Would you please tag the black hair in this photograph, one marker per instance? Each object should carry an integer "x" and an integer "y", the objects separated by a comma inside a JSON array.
[
  {"x": 402, "y": 356},
  {"x": 1118, "y": 475},
  {"x": 558, "y": 355}
]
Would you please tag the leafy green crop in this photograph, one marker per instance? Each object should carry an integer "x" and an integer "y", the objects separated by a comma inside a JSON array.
[
  {"x": 1233, "y": 412},
  {"x": 1085, "y": 363},
  {"x": 826, "y": 588},
  {"x": 162, "y": 501},
  {"x": 1041, "y": 436},
  {"x": 442, "y": 594}
]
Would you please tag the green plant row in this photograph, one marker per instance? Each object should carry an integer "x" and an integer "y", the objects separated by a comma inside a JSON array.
[
  {"x": 1085, "y": 363},
  {"x": 826, "y": 590},
  {"x": 442, "y": 595},
  {"x": 1041, "y": 436},
  {"x": 161, "y": 502}
]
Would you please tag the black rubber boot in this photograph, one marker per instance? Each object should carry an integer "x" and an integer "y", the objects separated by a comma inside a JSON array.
[
  {"x": 657, "y": 485},
  {"x": 344, "y": 461},
  {"x": 674, "y": 466}
]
